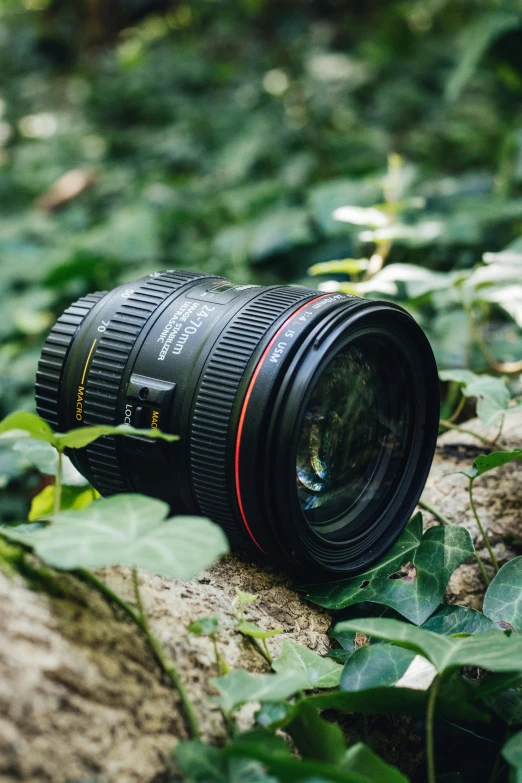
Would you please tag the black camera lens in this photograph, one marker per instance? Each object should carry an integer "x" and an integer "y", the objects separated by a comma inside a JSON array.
[
  {"x": 354, "y": 436},
  {"x": 307, "y": 421}
]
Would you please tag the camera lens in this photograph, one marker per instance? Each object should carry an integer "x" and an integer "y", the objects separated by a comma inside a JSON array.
[
  {"x": 307, "y": 421},
  {"x": 354, "y": 436}
]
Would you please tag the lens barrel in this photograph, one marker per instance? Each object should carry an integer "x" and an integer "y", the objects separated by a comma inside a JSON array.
[{"x": 307, "y": 421}]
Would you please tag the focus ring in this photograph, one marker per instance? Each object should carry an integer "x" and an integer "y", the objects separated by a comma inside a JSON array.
[
  {"x": 216, "y": 397},
  {"x": 106, "y": 369},
  {"x": 54, "y": 354}
]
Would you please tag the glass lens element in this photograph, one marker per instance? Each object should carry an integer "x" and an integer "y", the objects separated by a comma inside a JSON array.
[{"x": 354, "y": 436}]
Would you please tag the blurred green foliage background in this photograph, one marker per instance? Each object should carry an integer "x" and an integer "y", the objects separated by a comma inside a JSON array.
[{"x": 137, "y": 135}]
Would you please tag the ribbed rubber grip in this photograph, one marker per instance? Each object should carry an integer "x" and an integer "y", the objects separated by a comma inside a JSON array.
[
  {"x": 216, "y": 397},
  {"x": 107, "y": 366},
  {"x": 54, "y": 354}
]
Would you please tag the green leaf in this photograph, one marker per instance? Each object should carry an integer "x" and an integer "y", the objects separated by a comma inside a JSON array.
[
  {"x": 492, "y": 393},
  {"x": 251, "y": 629},
  {"x": 200, "y": 762},
  {"x": 448, "y": 620},
  {"x": 512, "y": 751},
  {"x": 454, "y": 701},
  {"x": 348, "y": 266},
  {"x": 478, "y": 36},
  {"x": 411, "y": 577},
  {"x": 72, "y": 498},
  {"x": 240, "y": 687},
  {"x": 244, "y": 598},
  {"x": 278, "y": 761},
  {"x": 506, "y": 702},
  {"x": 275, "y": 714},
  {"x": 82, "y": 436},
  {"x": 205, "y": 626},
  {"x": 338, "y": 655},
  {"x": 375, "y": 666},
  {"x": 346, "y": 640},
  {"x": 127, "y": 530},
  {"x": 314, "y": 670},
  {"x": 315, "y": 737},
  {"x": 361, "y": 759},
  {"x": 487, "y": 462},
  {"x": 44, "y": 457},
  {"x": 29, "y": 425},
  {"x": 26, "y": 425},
  {"x": 496, "y": 683},
  {"x": 492, "y": 650},
  {"x": 503, "y": 599}
]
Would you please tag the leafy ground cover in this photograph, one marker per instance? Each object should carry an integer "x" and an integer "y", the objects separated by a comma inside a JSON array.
[
  {"x": 412, "y": 655},
  {"x": 374, "y": 149}
]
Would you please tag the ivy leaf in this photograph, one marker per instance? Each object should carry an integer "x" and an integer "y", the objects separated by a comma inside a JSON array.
[
  {"x": 72, "y": 498},
  {"x": 201, "y": 763},
  {"x": 503, "y": 599},
  {"x": 375, "y": 666},
  {"x": 454, "y": 700},
  {"x": 449, "y": 620},
  {"x": 496, "y": 683},
  {"x": 315, "y": 737},
  {"x": 492, "y": 650},
  {"x": 314, "y": 670},
  {"x": 29, "y": 425},
  {"x": 361, "y": 759},
  {"x": 82, "y": 436},
  {"x": 280, "y": 763},
  {"x": 492, "y": 393},
  {"x": 240, "y": 687},
  {"x": 512, "y": 751},
  {"x": 127, "y": 530},
  {"x": 251, "y": 629},
  {"x": 44, "y": 457},
  {"x": 506, "y": 703},
  {"x": 205, "y": 626},
  {"x": 275, "y": 714},
  {"x": 411, "y": 578},
  {"x": 204, "y": 763},
  {"x": 346, "y": 640},
  {"x": 487, "y": 462},
  {"x": 26, "y": 425}
]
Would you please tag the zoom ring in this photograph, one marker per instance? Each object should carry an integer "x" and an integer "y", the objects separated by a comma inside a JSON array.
[
  {"x": 216, "y": 397},
  {"x": 54, "y": 354},
  {"x": 106, "y": 369}
]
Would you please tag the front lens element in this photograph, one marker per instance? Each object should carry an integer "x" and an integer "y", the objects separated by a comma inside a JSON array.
[{"x": 354, "y": 437}]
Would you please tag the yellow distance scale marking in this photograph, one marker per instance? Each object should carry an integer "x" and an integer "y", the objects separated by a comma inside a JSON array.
[{"x": 81, "y": 387}]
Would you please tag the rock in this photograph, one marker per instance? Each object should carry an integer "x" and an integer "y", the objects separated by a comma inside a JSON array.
[
  {"x": 497, "y": 496},
  {"x": 82, "y": 697}
]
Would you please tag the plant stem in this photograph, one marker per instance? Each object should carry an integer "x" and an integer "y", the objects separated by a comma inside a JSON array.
[
  {"x": 137, "y": 596},
  {"x": 458, "y": 410},
  {"x": 222, "y": 666},
  {"x": 447, "y": 424},
  {"x": 267, "y": 651},
  {"x": 499, "y": 433},
  {"x": 494, "y": 560},
  {"x": 485, "y": 577},
  {"x": 161, "y": 655},
  {"x": 216, "y": 654},
  {"x": 262, "y": 651},
  {"x": 430, "y": 713},
  {"x": 165, "y": 661},
  {"x": 58, "y": 483},
  {"x": 437, "y": 514}
]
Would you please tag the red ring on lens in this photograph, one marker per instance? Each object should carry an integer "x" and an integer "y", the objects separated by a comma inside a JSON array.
[{"x": 242, "y": 416}]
